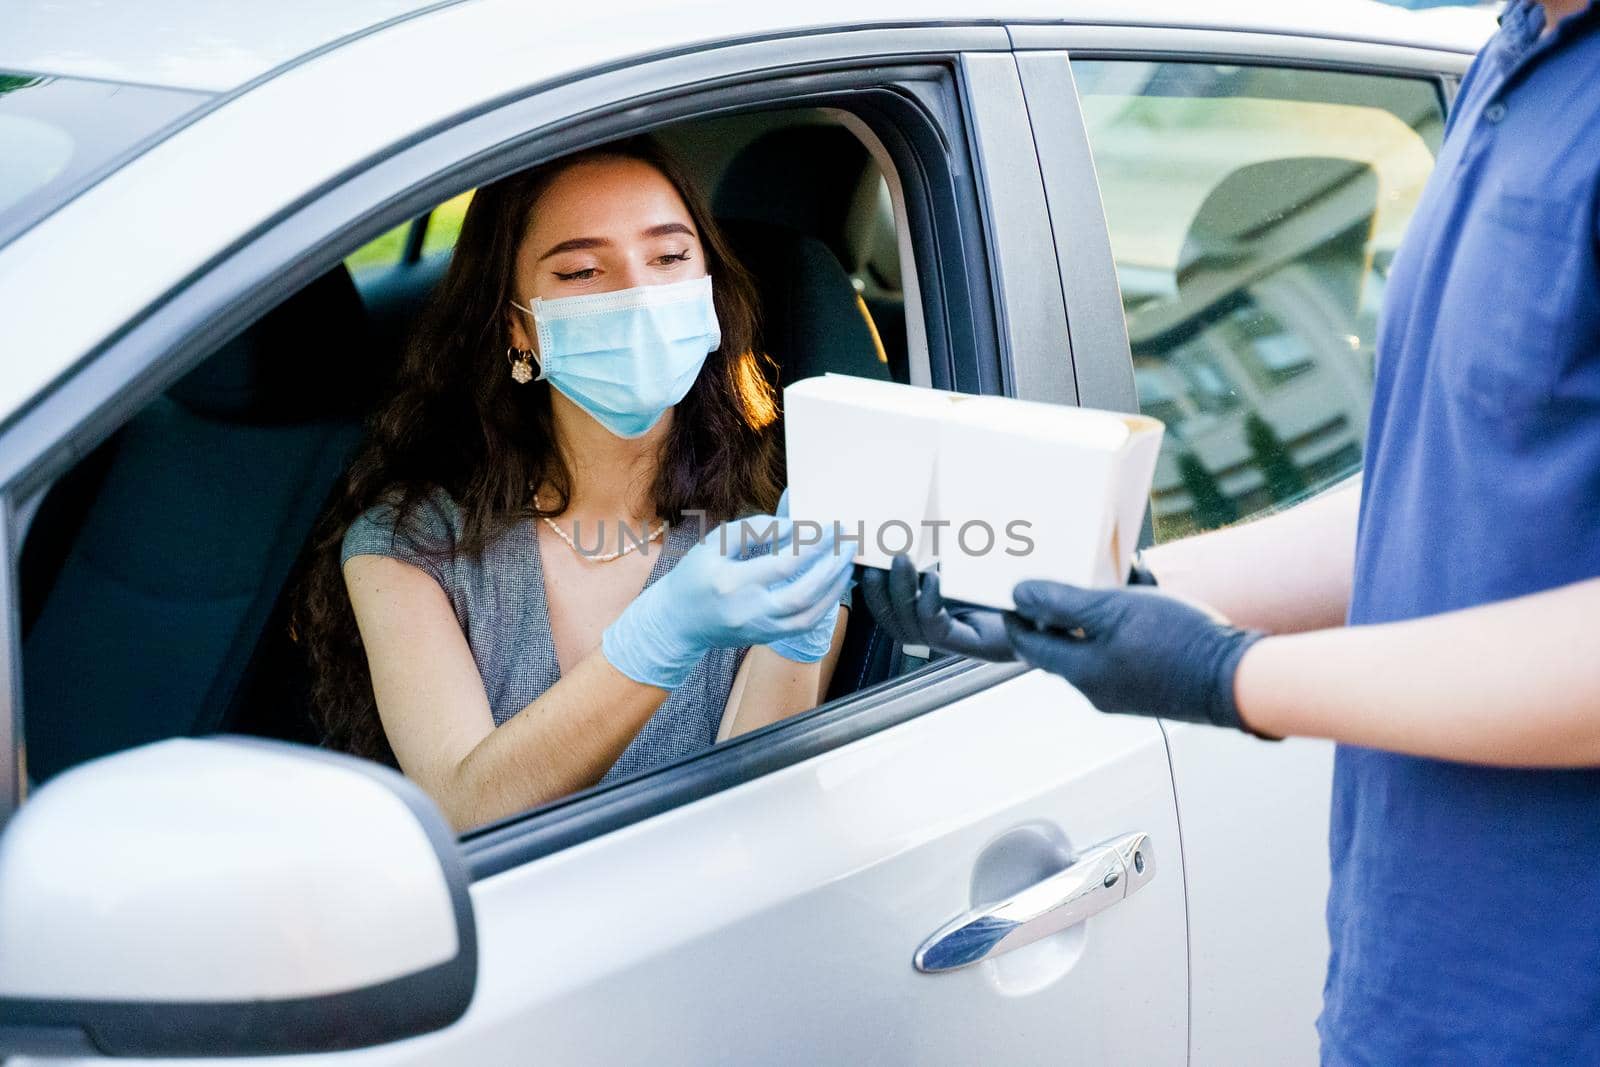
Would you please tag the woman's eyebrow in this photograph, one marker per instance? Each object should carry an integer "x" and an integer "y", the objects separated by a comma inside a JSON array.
[{"x": 575, "y": 244}]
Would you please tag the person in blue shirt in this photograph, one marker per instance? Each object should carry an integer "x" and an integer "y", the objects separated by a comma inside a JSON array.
[{"x": 1464, "y": 693}]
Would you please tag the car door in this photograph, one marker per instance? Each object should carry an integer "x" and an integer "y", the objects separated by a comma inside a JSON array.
[
  {"x": 776, "y": 899},
  {"x": 1227, "y": 205}
]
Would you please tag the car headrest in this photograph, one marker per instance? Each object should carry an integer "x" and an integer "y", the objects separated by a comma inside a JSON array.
[
  {"x": 874, "y": 238},
  {"x": 310, "y": 357},
  {"x": 811, "y": 321},
  {"x": 802, "y": 177}
]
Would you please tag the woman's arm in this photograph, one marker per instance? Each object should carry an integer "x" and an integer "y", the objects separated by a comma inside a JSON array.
[
  {"x": 770, "y": 687},
  {"x": 436, "y": 714},
  {"x": 1515, "y": 683},
  {"x": 1286, "y": 573}
]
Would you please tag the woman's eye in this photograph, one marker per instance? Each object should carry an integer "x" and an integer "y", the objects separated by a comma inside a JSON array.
[
  {"x": 674, "y": 257},
  {"x": 576, "y": 276}
]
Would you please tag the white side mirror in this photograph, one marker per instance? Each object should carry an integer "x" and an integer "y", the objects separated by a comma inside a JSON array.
[{"x": 229, "y": 896}]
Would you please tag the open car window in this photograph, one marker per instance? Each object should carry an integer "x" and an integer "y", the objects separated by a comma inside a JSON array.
[
  {"x": 1253, "y": 213},
  {"x": 112, "y": 546}
]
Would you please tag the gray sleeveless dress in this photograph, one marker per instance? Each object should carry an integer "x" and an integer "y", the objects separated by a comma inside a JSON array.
[{"x": 499, "y": 600}]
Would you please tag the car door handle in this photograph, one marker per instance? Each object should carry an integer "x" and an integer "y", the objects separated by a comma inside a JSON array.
[{"x": 1098, "y": 878}]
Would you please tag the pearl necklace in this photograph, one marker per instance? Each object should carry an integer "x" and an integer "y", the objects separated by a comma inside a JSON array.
[{"x": 607, "y": 557}]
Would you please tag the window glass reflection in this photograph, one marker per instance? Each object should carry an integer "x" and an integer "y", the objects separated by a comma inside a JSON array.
[{"x": 1253, "y": 214}]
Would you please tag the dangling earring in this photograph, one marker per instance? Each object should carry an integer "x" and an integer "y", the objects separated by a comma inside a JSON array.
[{"x": 521, "y": 364}]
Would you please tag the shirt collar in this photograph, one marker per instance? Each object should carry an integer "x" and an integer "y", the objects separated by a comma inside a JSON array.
[{"x": 1522, "y": 23}]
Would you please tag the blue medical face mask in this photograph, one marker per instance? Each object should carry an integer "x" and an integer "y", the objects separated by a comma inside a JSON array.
[{"x": 626, "y": 357}]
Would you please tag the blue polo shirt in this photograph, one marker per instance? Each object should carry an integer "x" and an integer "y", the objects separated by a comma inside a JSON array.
[{"x": 1465, "y": 907}]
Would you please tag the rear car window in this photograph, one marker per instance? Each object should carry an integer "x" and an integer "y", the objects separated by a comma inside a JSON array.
[
  {"x": 1253, "y": 213},
  {"x": 58, "y": 135}
]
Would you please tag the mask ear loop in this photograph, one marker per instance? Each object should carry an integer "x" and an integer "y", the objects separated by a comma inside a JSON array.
[{"x": 535, "y": 355}]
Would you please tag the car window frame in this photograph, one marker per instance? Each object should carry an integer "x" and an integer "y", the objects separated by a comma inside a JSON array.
[{"x": 242, "y": 283}]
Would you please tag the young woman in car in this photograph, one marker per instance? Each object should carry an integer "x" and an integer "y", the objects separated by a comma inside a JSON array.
[{"x": 582, "y": 399}]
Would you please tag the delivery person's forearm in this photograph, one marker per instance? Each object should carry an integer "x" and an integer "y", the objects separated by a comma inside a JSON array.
[
  {"x": 1287, "y": 573},
  {"x": 1511, "y": 684}
]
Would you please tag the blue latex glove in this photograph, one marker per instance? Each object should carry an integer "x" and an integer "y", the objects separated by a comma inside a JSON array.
[
  {"x": 812, "y": 645},
  {"x": 912, "y": 610},
  {"x": 713, "y": 599},
  {"x": 1133, "y": 650}
]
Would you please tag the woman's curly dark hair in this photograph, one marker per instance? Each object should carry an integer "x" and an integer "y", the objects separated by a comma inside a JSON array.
[{"x": 454, "y": 420}]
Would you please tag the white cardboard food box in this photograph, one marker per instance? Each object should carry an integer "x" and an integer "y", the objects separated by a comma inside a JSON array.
[{"x": 992, "y": 490}]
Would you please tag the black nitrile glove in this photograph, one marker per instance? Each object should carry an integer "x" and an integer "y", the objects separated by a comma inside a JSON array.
[
  {"x": 1138, "y": 573},
  {"x": 915, "y": 613},
  {"x": 1132, "y": 650}
]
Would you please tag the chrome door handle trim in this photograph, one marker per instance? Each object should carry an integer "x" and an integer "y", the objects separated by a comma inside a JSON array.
[{"x": 1099, "y": 877}]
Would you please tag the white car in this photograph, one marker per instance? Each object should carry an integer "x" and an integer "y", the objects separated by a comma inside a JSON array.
[{"x": 215, "y": 220}]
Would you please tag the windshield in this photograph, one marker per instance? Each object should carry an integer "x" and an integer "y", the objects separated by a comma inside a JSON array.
[{"x": 58, "y": 135}]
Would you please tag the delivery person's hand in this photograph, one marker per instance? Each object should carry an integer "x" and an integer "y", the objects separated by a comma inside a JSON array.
[
  {"x": 1132, "y": 650},
  {"x": 910, "y": 608}
]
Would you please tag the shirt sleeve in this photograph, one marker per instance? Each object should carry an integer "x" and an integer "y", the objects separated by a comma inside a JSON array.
[{"x": 424, "y": 537}]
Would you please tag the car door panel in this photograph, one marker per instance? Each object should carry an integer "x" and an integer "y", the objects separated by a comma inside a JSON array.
[
  {"x": 776, "y": 921},
  {"x": 1255, "y": 839}
]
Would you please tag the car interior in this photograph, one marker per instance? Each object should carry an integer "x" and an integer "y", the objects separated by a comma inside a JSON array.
[{"x": 157, "y": 574}]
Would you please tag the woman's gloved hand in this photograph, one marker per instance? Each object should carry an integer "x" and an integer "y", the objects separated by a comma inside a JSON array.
[
  {"x": 812, "y": 645},
  {"x": 1132, "y": 650},
  {"x": 713, "y": 599},
  {"x": 910, "y": 608}
]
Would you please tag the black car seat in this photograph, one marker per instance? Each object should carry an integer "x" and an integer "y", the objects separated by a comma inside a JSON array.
[
  {"x": 819, "y": 180},
  {"x": 810, "y": 323},
  {"x": 801, "y": 177},
  {"x": 200, "y": 508},
  {"x": 395, "y": 296}
]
